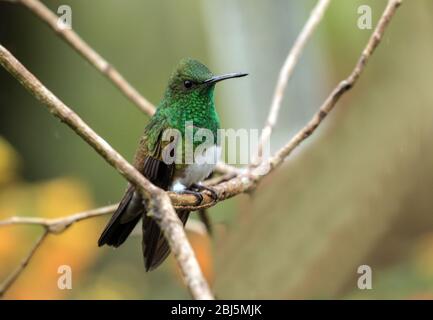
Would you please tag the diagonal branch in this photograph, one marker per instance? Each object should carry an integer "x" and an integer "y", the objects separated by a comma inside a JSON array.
[
  {"x": 88, "y": 53},
  {"x": 286, "y": 72},
  {"x": 159, "y": 202},
  {"x": 341, "y": 88},
  {"x": 6, "y": 284}
]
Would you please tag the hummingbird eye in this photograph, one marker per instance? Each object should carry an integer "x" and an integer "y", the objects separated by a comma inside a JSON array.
[{"x": 187, "y": 84}]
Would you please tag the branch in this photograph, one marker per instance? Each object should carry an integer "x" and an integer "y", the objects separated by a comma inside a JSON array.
[
  {"x": 58, "y": 225},
  {"x": 17, "y": 272},
  {"x": 287, "y": 71},
  {"x": 94, "y": 58},
  {"x": 341, "y": 88},
  {"x": 159, "y": 203}
]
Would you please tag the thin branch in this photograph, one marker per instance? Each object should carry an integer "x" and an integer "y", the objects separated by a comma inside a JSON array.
[
  {"x": 159, "y": 203},
  {"x": 58, "y": 225},
  {"x": 88, "y": 53},
  {"x": 341, "y": 88},
  {"x": 6, "y": 284},
  {"x": 225, "y": 168},
  {"x": 286, "y": 72}
]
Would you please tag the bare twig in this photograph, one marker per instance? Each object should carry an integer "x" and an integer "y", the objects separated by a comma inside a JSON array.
[
  {"x": 239, "y": 182},
  {"x": 159, "y": 202},
  {"x": 6, "y": 284},
  {"x": 58, "y": 225},
  {"x": 54, "y": 226},
  {"x": 93, "y": 57},
  {"x": 341, "y": 88},
  {"x": 286, "y": 72}
]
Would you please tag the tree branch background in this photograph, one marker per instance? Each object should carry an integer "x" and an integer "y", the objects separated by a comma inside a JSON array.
[{"x": 329, "y": 207}]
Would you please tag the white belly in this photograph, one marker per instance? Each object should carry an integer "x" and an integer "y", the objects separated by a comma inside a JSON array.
[{"x": 199, "y": 170}]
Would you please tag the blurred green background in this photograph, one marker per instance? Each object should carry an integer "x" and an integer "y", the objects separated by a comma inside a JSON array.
[{"x": 359, "y": 192}]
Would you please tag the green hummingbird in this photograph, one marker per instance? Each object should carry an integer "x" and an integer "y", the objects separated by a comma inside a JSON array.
[{"x": 188, "y": 101}]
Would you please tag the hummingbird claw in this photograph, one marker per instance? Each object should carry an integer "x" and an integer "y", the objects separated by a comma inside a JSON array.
[
  {"x": 199, "y": 188},
  {"x": 196, "y": 194}
]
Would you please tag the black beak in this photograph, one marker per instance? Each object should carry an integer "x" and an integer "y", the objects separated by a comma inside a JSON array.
[{"x": 215, "y": 79}]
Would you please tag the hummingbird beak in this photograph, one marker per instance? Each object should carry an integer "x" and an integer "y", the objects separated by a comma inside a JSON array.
[{"x": 215, "y": 79}]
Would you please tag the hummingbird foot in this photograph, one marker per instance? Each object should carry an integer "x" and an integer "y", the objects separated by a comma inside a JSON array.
[
  {"x": 196, "y": 194},
  {"x": 212, "y": 192}
]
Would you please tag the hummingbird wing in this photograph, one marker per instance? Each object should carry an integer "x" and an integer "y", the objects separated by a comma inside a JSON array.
[
  {"x": 131, "y": 208},
  {"x": 154, "y": 245}
]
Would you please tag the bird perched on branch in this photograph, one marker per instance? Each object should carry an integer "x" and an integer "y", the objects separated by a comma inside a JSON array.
[{"x": 171, "y": 156}]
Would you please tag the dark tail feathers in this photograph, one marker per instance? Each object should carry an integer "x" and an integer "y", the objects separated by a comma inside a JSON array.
[
  {"x": 155, "y": 246},
  {"x": 119, "y": 228},
  {"x": 123, "y": 221}
]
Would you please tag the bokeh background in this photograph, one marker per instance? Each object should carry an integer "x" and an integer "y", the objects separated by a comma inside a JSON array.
[{"x": 359, "y": 192}]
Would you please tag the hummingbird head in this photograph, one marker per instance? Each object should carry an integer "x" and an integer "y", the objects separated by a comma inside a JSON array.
[{"x": 193, "y": 80}]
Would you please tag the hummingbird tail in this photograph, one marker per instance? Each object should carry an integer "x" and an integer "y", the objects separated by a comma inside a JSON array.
[
  {"x": 155, "y": 246},
  {"x": 117, "y": 233}
]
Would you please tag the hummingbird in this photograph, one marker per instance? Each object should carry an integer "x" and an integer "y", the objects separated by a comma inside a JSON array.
[{"x": 188, "y": 99}]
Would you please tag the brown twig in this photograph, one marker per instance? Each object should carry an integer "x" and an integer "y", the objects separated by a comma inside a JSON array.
[
  {"x": 54, "y": 226},
  {"x": 58, "y": 225},
  {"x": 93, "y": 57},
  {"x": 159, "y": 202},
  {"x": 286, "y": 72},
  {"x": 341, "y": 88},
  {"x": 241, "y": 182},
  {"x": 7, "y": 283}
]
